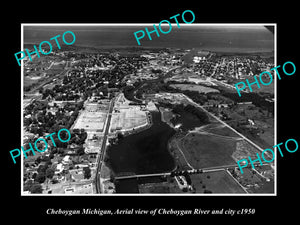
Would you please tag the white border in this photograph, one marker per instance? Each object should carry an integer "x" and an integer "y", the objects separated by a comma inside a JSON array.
[{"x": 150, "y": 24}]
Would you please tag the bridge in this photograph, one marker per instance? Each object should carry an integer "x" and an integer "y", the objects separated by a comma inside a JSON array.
[
  {"x": 179, "y": 172},
  {"x": 142, "y": 175},
  {"x": 173, "y": 173}
]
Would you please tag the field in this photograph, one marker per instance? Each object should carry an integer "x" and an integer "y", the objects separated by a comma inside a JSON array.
[
  {"x": 127, "y": 117},
  {"x": 194, "y": 87},
  {"x": 203, "y": 151},
  {"x": 29, "y": 82},
  {"x": 211, "y": 145},
  {"x": 164, "y": 187},
  {"x": 191, "y": 78},
  {"x": 93, "y": 142},
  {"x": 266, "y": 89},
  {"x": 92, "y": 118},
  {"x": 215, "y": 182},
  {"x": 91, "y": 121}
]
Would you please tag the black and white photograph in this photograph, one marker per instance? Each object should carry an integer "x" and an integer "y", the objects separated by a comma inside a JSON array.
[
  {"x": 143, "y": 110},
  {"x": 163, "y": 117}
]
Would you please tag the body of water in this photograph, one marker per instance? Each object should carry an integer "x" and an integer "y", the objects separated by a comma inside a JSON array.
[
  {"x": 145, "y": 152},
  {"x": 242, "y": 38}
]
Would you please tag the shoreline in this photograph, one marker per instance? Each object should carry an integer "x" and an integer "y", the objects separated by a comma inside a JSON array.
[{"x": 223, "y": 50}]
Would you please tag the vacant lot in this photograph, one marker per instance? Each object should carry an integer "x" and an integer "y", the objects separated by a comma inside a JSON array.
[
  {"x": 215, "y": 182},
  {"x": 28, "y": 81},
  {"x": 193, "y": 87},
  {"x": 128, "y": 119},
  {"x": 165, "y": 187},
  {"x": 203, "y": 151}
]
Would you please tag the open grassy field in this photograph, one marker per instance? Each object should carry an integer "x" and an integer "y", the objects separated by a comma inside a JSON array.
[
  {"x": 215, "y": 182},
  {"x": 164, "y": 187},
  {"x": 193, "y": 87},
  {"x": 203, "y": 151},
  {"x": 29, "y": 82}
]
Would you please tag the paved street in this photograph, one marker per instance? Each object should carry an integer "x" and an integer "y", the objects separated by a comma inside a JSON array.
[{"x": 103, "y": 146}]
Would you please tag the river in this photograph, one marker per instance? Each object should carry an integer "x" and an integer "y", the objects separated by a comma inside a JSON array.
[{"x": 145, "y": 152}]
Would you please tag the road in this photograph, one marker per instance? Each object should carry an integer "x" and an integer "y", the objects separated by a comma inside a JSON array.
[
  {"x": 204, "y": 170},
  {"x": 225, "y": 124},
  {"x": 143, "y": 175},
  {"x": 103, "y": 146}
]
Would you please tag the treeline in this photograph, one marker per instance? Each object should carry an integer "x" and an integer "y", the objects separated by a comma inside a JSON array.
[
  {"x": 42, "y": 121},
  {"x": 256, "y": 99},
  {"x": 177, "y": 109}
]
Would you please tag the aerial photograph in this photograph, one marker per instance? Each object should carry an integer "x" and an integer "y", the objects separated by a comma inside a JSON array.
[{"x": 162, "y": 117}]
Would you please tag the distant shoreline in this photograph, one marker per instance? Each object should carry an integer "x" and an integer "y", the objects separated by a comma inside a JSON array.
[{"x": 226, "y": 51}]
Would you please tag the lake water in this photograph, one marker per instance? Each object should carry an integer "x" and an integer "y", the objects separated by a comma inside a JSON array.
[{"x": 242, "y": 38}]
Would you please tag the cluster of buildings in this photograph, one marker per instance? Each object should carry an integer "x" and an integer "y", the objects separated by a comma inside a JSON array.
[
  {"x": 154, "y": 65},
  {"x": 240, "y": 66},
  {"x": 91, "y": 84},
  {"x": 224, "y": 66}
]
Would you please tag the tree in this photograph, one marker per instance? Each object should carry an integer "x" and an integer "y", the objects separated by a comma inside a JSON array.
[
  {"x": 49, "y": 173},
  {"x": 42, "y": 168},
  {"x": 46, "y": 159},
  {"x": 27, "y": 185},
  {"x": 51, "y": 155},
  {"x": 120, "y": 135},
  {"x": 54, "y": 181},
  {"x": 86, "y": 172},
  {"x": 185, "y": 189},
  {"x": 53, "y": 150},
  {"x": 41, "y": 177},
  {"x": 34, "y": 175},
  {"x": 38, "y": 160},
  {"x": 36, "y": 188},
  {"x": 188, "y": 179},
  {"x": 41, "y": 89},
  {"x": 80, "y": 150}
]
